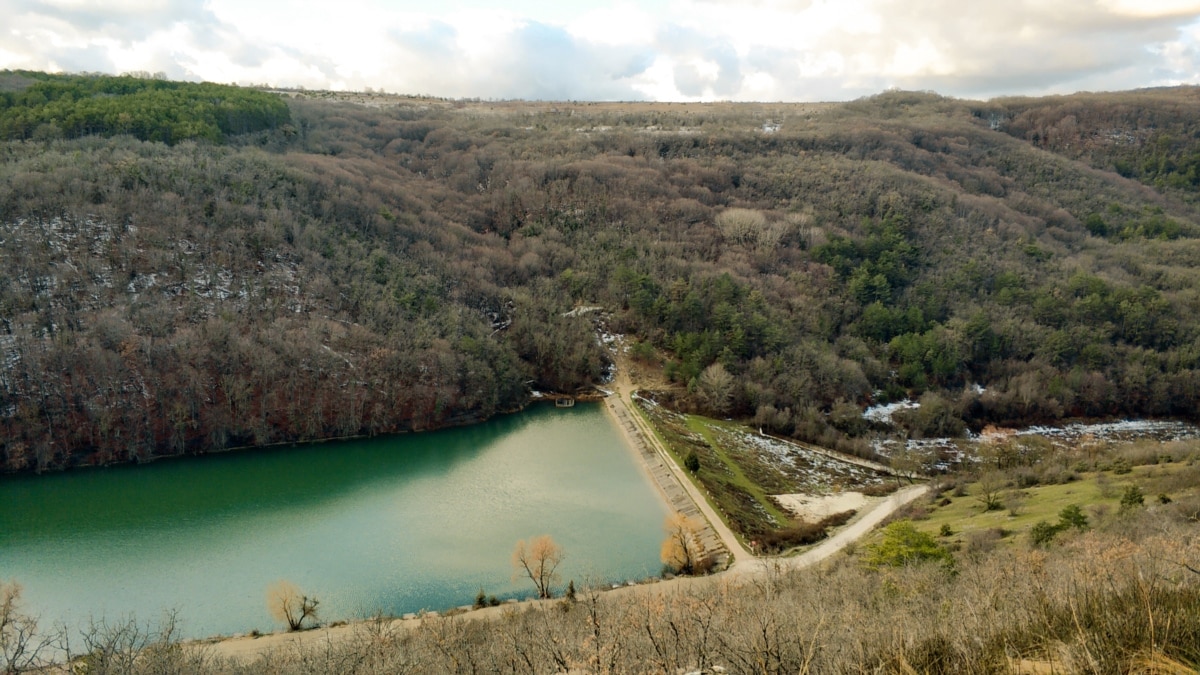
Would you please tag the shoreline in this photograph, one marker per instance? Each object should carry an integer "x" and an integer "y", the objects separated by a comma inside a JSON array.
[
  {"x": 463, "y": 420},
  {"x": 245, "y": 648},
  {"x": 466, "y": 420},
  {"x": 661, "y": 471},
  {"x": 613, "y": 411},
  {"x": 675, "y": 489},
  {"x": 680, "y": 493}
]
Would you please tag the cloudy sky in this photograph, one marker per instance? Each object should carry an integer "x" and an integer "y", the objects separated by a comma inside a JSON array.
[{"x": 766, "y": 50}]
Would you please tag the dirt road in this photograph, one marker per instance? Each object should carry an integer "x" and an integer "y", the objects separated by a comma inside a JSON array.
[
  {"x": 639, "y": 435},
  {"x": 682, "y": 495}
]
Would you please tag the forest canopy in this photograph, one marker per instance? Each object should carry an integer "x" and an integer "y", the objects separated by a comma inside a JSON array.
[
  {"x": 41, "y": 105},
  {"x": 403, "y": 263}
]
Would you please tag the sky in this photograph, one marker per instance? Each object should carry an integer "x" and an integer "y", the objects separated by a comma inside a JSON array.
[{"x": 668, "y": 50}]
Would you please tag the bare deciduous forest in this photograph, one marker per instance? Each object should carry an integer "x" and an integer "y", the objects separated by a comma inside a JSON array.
[
  {"x": 189, "y": 268},
  {"x": 332, "y": 269}
]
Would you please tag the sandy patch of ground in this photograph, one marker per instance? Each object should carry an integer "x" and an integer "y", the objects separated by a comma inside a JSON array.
[{"x": 813, "y": 508}]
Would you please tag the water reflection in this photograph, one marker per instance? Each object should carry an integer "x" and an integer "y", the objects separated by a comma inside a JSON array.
[{"x": 398, "y": 524}]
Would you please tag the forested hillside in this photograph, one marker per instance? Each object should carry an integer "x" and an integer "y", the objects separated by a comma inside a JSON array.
[
  {"x": 407, "y": 264},
  {"x": 1151, "y": 135},
  {"x": 37, "y": 105}
]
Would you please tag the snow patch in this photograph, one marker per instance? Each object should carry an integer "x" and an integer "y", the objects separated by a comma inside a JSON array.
[
  {"x": 1123, "y": 430},
  {"x": 817, "y": 471},
  {"x": 580, "y": 311},
  {"x": 883, "y": 413},
  {"x": 947, "y": 452}
]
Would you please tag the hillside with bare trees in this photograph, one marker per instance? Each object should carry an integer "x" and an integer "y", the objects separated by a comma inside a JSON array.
[{"x": 410, "y": 264}]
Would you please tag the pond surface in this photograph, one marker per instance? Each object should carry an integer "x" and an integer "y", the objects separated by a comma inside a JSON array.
[{"x": 395, "y": 524}]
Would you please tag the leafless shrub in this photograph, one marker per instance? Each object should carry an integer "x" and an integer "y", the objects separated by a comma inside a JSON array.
[
  {"x": 23, "y": 644},
  {"x": 982, "y": 542},
  {"x": 107, "y": 647},
  {"x": 1186, "y": 510},
  {"x": 880, "y": 489},
  {"x": 751, "y": 228},
  {"x": 1015, "y": 501}
]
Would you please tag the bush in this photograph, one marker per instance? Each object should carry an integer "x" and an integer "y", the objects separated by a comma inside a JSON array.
[
  {"x": 1026, "y": 477},
  {"x": 1072, "y": 516},
  {"x": 692, "y": 462},
  {"x": 981, "y": 542},
  {"x": 1057, "y": 476},
  {"x": 1042, "y": 533},
  {"x": 1186, "y": 509},
  {"x": 1015, "y": 501},
  {"x": 903, "y": 544},
  {"x": 801, "y": 533},
  {"x": 880, "y": 489},
  {"x": 917, "y": 512},
  {"x": 1132, "y": 498},
  {"x": 838, "y": 519}
]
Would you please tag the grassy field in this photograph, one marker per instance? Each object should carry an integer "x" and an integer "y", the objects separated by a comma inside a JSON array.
[{"x": 1098, "y": 493}]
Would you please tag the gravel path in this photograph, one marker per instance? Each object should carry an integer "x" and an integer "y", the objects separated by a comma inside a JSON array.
[{"x": 681, "y": 493}]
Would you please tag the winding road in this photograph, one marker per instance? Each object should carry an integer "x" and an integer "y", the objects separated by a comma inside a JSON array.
[{"x": 620, "y": 404}]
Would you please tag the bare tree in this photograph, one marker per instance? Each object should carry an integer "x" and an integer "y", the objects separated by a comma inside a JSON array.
[
  {"x": 716, "y": 385},
  {"x": 538, "y": 560},
  {"x": 129, "y": 646},
  {"x": 21, "y": 643},
  {"x": 680, "y": 550},
  {"x": 991, "y": 485},
  {"x": 741, "y": 225},
  {"x": 286, "y": 603}
]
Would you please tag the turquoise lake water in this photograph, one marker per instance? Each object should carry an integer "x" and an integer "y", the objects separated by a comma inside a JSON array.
[{"x": 396, "y": 524}]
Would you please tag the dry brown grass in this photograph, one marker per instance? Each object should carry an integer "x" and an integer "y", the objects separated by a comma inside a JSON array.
[
  {"x": 1108, "y": 602},
  {"x": 1121, "y": 600}
]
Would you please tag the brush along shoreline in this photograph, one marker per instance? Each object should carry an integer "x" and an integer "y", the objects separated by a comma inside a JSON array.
[{"x": 248, "y": 648}]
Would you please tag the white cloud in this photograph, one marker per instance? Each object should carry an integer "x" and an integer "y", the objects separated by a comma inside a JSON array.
[
  {"x": 667, "y": 49},
  {"x": 620, "y": 24},
  {"x": 1152, "y": 8}
]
